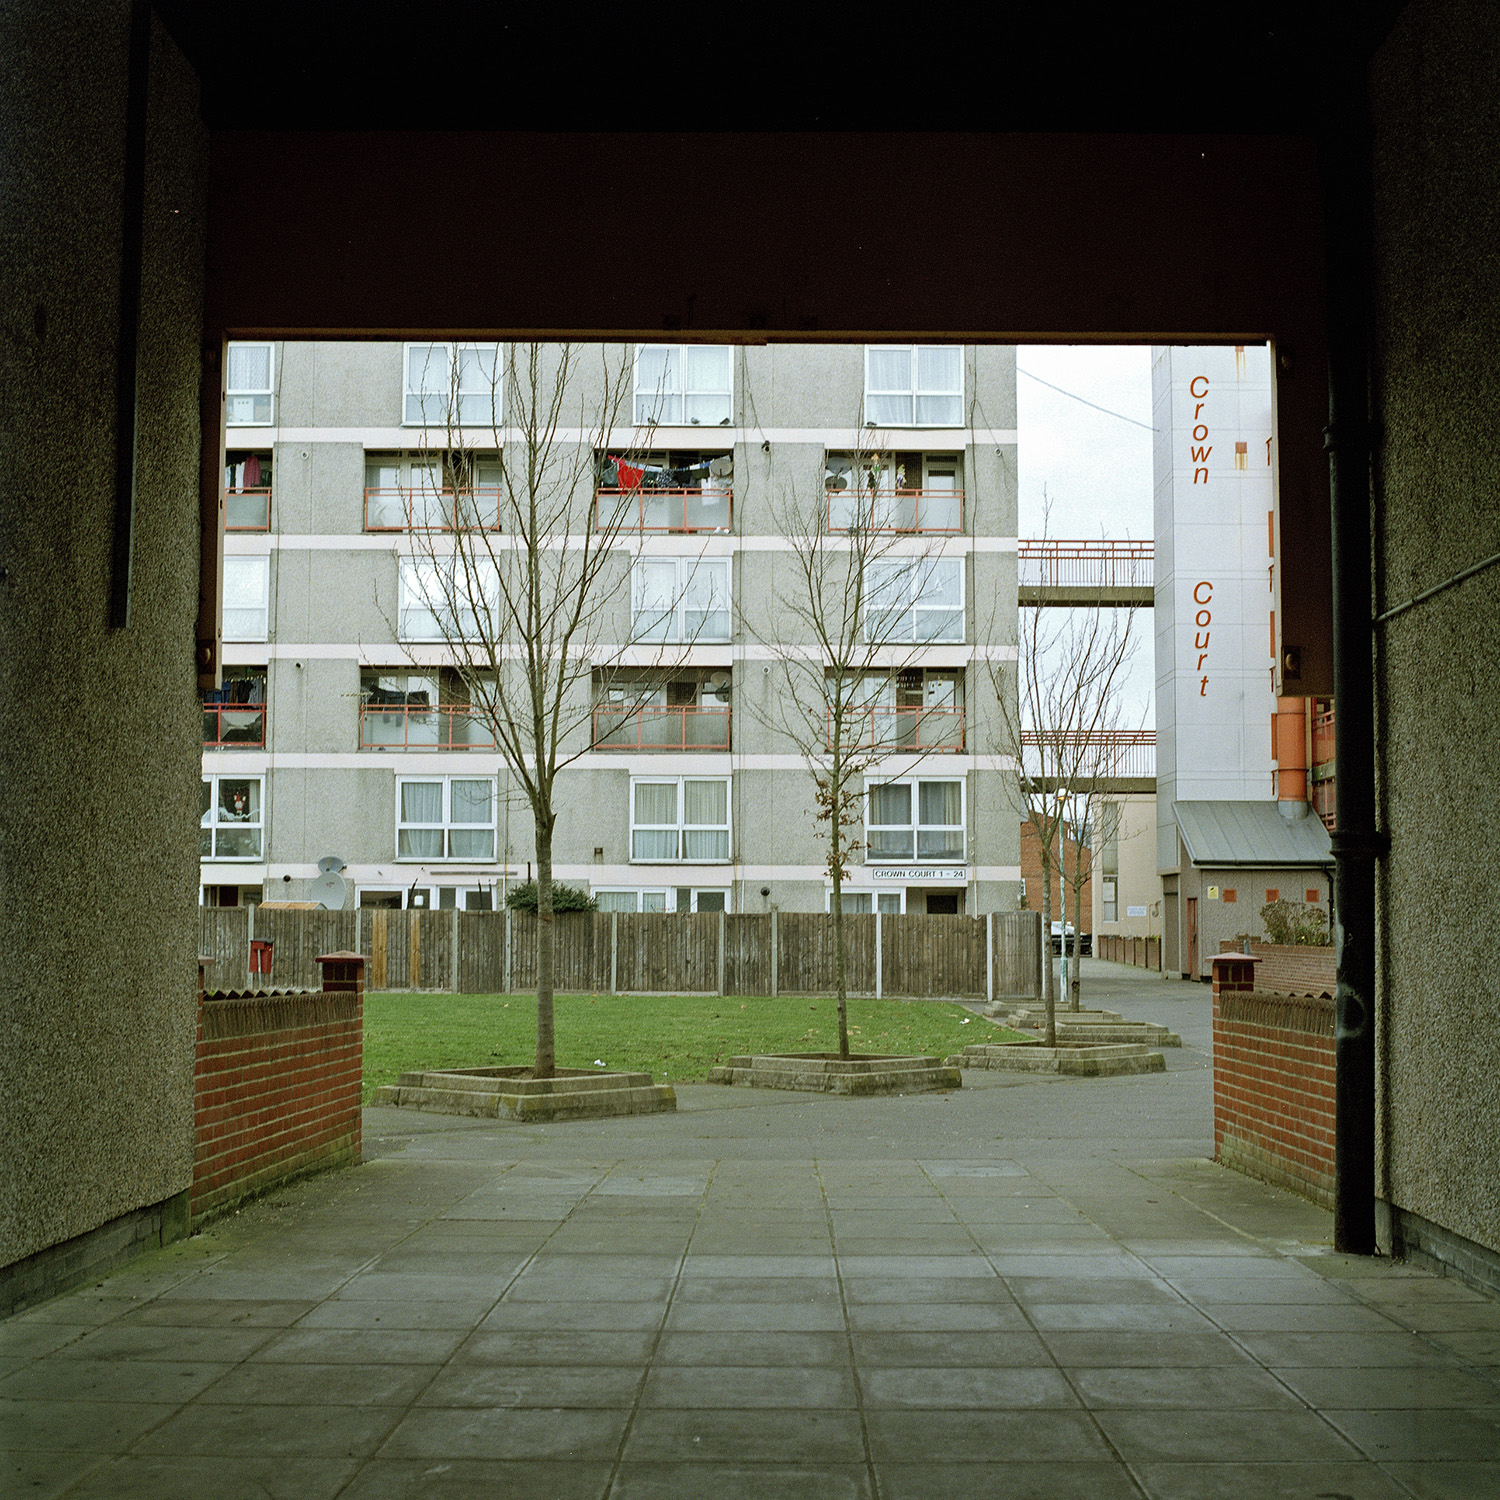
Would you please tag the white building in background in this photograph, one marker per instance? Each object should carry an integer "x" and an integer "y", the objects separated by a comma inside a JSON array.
[{"x": 1215, "y": 503}]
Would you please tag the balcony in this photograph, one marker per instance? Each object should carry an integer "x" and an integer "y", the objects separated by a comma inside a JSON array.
[
  {"x": 686, "y": 728},
  {"x": 886, "y": 730},
  {"x": 234, "y": 726},
  {"x": 247, "y": 509},
  {"x": 398, "y": 508},
  {"x": 1086, "y": 573},
  {"x": 412, "y": 726},
  {"x": 935, "y": 512},
  {"x": 663, "y": 510}
]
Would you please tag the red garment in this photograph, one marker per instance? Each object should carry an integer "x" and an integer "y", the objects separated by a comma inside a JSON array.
[
  {"x": 252, "y": 472},
  {"x": 630, "y": 476}
]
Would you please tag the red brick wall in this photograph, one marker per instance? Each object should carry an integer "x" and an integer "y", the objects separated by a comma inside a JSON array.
[
  {"x": 1291, "y": 970},
  {"x": 1031, "y": 873},
  {"x": 1273, "y": 1083},
  {"x": 276, "y": 1090}
]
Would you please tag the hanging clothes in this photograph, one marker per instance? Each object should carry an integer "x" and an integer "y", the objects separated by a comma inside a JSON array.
[
  {"x": 251, "y": 480},
  {"x": 629, "y": 475}
]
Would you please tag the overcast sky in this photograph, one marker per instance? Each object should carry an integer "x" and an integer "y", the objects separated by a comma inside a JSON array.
[{"x": 1093, "y": 469}]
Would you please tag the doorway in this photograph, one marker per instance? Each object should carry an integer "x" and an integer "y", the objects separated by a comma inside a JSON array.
[{"x": 1191, "y": 971}]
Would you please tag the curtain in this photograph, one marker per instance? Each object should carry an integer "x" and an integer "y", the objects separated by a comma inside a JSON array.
[
  {"x": 658, "y": 384},
  {"x": 706, "y": 603},
  {"x": 705, "y": 802},
  {"x": 940, "y": 384},
  {"x": 890, "y": 805},
  {"x": 616, "y": 900},
  {"x": 890, "y": 369},
  {"x": 656, "y": 803},
  {"x": 655, "y": 601},
  {"x": 939, "y": 803},
  {"x": 472, "y": 802},
  {"x": 249, "y": 367},
  {"x": 421, "y": 801},
  {"x": 708, "y": 385}
]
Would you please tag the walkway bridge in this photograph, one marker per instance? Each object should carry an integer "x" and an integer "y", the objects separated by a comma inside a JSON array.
[{"x": 1082, "y": 573}]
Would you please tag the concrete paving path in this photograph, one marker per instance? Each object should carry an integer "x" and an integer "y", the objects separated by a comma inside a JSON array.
[{"x": 1035, "y": 1288}]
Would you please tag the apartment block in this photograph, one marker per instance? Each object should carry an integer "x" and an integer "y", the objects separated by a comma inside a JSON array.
[{"x": 343, "y": 741}]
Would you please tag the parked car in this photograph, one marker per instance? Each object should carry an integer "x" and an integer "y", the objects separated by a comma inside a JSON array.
[{"x": 1086, "y": 946}]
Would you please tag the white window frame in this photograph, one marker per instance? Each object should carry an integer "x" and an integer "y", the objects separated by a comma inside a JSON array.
[
  {"x": 668, "y": 896},
  {"x": 212, "y": 821},
  {"x": 235, "y": 397},
  {"x": 918, "y": 575},
  {"x": 874, "y": 897},
  {"x": 446, "y": 823},
  {"x": 681, "y": 827},
  {"x": 253, "y": 575},
  {"x": 687, "y": 571},
  {"x": 913, "y": 390},
  {"x": 652, "y": 396},
  {"x": 423, "y": 611},
  {"x": 916, "y": 826},
  {"x": 488, "y": 398}
]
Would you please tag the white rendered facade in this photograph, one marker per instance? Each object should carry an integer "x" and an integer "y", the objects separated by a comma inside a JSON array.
[
  {"x": 325, "y": 620},
  {"x": 1213, "y": 410}
]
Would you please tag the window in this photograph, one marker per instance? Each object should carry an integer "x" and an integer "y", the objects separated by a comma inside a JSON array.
[
  {"x": 440, "y": 394},
  {"x": 449, "y": 898},
  {"x": 919, "y": 385},
  {"x": 247, "y": 491},
  {"x": 445, "y": 817},
  {"x": 683, "y": 385},
  {"x": 915, "y": 819},
  {"x": 440, "y": 601},
  {"x": 679, "y": 819},
  {"x": 635, "y": 900},
  {"x": 1111, "y": 899},
  {"x": 248, "y": 398},
  {"x": 680, "y": 599},
  {"x": 247, "y": 594},
  {"x": 862, "y": 903},
  {"x": 232, "y": 820},
  {"x": 915, "y": 599},
  {"x": 432, "y": 491}
]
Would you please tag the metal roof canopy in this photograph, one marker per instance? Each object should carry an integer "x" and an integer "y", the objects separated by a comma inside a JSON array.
[{"x": 1250, "y": 834}]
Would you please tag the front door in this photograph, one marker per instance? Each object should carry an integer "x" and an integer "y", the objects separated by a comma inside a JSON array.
[{"x": 1192, "y": 937}]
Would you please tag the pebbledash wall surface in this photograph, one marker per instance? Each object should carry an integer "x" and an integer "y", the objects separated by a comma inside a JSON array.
[{"x": 325, "y": 750}]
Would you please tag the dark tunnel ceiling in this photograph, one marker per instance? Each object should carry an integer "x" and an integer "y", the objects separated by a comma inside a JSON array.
[{"x": 1271, "y": 68}]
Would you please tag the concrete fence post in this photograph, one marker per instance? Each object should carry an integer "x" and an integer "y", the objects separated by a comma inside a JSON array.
[
  {"x": 775, "y": 952},
  {"x": 989, "y": 958},
  {"x": 879, "y": 955},
  {"x": 614, "y": 953},
  {"x": 249, "y": 935},
  {"x": 455, "y": 947},
  {"x": 508, "y": 985},
  {"x": 723, "y": 922}
]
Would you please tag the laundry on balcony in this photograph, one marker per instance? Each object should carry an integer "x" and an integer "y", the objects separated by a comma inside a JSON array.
[{"x": 616, "y": 473}]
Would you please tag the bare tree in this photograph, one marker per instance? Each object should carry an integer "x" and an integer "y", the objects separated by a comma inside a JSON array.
[
  {"x": 520, "y": 571},
  {"x": 859, "y": 606},
  {"x": 1060, "y": 717}
]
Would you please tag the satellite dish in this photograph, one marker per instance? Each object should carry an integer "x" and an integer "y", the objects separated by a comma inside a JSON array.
[
  {"x": 330, "y": 864},
  {"x": 330, "y": 891},
  {"x": 718, "y": 685}
]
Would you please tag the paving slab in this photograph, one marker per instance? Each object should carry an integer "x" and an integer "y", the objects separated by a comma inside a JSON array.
[{"x": 1035, "y": 1286}]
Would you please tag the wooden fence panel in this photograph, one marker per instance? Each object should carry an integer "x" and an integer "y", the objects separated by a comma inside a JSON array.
[
  {"x": 747, "y": 953},
  {"x": 664, "y": 953},
  {"x": 936, "y": 955},
  {"x": 299, "y": 937},
  {"x": 1018, "y": 955},
  {"x": 806, "y": 959},
  {"x": 223, "y": 936},
  {"x": 481, "y": 952}
]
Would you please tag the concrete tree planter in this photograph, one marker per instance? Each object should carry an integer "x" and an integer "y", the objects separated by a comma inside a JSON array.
[
  {"x": 1079, "y": 1061},
  {"x": 828, "y": 1073},
  {"x": 513, "y": 1094}
]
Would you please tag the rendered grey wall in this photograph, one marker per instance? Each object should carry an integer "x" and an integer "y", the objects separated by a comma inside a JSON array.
[
  {"x": 99, "y": 755},
  {"x": 1437, "y": 241}
]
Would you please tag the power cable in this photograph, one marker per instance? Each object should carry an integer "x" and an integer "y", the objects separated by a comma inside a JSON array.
[{"x": 1072, "y": 396}]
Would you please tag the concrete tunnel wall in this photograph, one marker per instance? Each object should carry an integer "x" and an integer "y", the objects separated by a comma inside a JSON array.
[{"x": 98, "y": 742}]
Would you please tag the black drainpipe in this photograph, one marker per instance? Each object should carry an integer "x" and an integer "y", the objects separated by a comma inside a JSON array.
[{"x": 1356, "y": 842}]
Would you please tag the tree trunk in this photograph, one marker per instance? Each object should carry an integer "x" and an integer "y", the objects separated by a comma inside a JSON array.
[
  {"x": 546, "y": 947},
  {"x": 1048, "y": 992}
]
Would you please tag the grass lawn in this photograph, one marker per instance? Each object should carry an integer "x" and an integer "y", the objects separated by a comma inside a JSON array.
[{"x": 676, "y": 1038}]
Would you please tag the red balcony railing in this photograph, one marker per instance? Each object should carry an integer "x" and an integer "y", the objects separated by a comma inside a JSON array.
[
  {"x": 1322, "y": 746},
  {"x": 412, "y": 726},
  {"x": 1087, "y": 565},
  {"x": 1118, "y": 753},
  {"x": 663, "y": 510},
  {"x": 247, "y": 510},
  {"x": 892, "y": 730},
  {"x": 399, "y": 508},
  {"x": 684, "y": 728},
  {"x": 940, "y": 511},
  {"x": 234, "y": 726}
]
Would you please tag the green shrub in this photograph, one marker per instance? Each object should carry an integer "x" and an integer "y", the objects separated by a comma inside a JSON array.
[
  {"x": 564, "y": 898},
  {"x": 1296, "y": 924}
]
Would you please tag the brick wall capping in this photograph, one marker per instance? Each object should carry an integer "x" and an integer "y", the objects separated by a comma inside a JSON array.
[
  {"x": 1235, "y": 958},
  {"x": 343, "y": 956}
]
